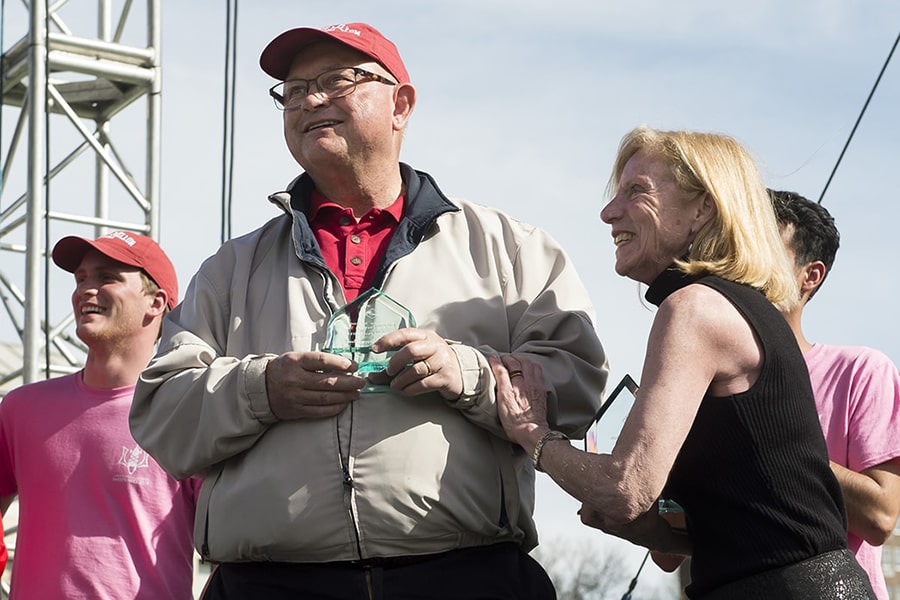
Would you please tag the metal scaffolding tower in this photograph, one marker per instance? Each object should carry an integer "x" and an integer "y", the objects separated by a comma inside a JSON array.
[{"x": 63, "y": 99}]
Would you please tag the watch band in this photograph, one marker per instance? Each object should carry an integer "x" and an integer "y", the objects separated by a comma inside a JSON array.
[{"x": 539, "y": 447}]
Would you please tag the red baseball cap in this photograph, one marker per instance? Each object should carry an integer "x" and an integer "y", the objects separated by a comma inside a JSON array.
[
  {"x": 126, "y": 247},
  {"x": 278, "y": 55}
]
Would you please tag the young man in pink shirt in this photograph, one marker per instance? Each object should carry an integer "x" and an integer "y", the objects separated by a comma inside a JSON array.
[
  {"x": 857, "y": 392},
  {"x": 98, "y": 518},
  {"x": 3, "y": 553}
]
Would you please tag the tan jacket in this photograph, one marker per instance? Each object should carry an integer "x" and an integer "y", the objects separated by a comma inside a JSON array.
[{"x": 423, "y": 475}]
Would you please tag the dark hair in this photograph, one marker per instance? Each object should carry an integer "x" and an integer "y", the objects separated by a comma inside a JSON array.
[{"x": 814, "y": 235}]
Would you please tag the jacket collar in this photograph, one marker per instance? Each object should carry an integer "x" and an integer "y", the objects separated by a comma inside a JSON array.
[{"x": 425, "y": 202}]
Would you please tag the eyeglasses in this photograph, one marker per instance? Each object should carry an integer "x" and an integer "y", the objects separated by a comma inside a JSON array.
[{"x": 333, "y": 84}]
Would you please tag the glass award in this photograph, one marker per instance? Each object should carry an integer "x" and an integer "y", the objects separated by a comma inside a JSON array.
[
  {"x": 354, "y": 327},
  {"x": 603, "y": 433},
  {"x": 601, "y": 436}
]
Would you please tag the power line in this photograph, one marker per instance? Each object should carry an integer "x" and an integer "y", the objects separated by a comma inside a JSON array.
[
  {"x": 858, "y": 119},
  {"x": 633, "y": 583},
  {"x": 228, "y": 117},
  {"x": 45, "y": 217},
  {"x": 2, "y": 79}
]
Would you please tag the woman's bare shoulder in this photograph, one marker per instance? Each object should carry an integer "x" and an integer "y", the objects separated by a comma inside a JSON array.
[
  {"x": 699, "y": 304},
  {"x": 708, "y": 322}
]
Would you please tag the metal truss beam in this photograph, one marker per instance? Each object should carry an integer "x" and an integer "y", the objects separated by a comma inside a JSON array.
[{"x": 65, "y": 97}]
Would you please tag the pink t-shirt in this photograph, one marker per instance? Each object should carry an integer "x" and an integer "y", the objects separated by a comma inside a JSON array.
[
  {"x": 857, "y": 393},
  {"x": 3, "y": 553},
  {"x": 98, "y": 518}
]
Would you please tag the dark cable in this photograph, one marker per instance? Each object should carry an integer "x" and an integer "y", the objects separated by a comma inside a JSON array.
[
  {"x": 2, "y": 80},
  {"x": 627, "y": 595},
  {"x": 223, "y": 226},
  {"x": 223, "y": 231},
  {"x": 858, "y": 119},
  {"x": 46, "y": 180},
  {"x": 228, "y": 117},
  {"x": 234, "y": 30}
]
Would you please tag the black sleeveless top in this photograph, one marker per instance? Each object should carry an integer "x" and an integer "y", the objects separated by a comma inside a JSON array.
[{"x": 753, "y": 474}]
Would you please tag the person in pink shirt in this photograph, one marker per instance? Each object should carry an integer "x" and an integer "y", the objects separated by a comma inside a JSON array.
[
  {"x": 98, "y": 518},
  {"x": 3, "y": 553},
  {"x": 857, "y": 393}
]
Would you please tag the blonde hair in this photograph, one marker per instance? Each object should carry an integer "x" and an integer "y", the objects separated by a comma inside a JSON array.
[
  {"x": 741, "y": 242},
  {"x": 150, "y": 287}
]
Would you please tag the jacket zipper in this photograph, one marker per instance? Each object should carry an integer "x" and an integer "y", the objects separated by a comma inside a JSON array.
[{"x": 346, "y": 477}]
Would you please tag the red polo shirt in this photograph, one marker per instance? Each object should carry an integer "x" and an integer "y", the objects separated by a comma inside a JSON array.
[{"x": 353, "y": 248}]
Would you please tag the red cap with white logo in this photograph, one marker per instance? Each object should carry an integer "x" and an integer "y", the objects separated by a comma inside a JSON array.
[
  {"x": 278, "y": 55},
  {"x": 132, "y": 249}
]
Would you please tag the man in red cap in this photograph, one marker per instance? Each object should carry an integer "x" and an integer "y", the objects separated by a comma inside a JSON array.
[
  {"x": 319, "y": 482},
  {"x": 98, "y": 518}
]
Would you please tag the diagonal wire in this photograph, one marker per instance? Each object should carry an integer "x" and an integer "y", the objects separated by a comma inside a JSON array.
[
  {"x": 633, "y": 583},
  {"x": 858, "y": 119},
  {"x": 45, "y": 217},
  {"x": 2, "y": 78}
]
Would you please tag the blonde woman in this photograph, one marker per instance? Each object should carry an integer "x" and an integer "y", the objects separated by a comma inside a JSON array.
[{"x": 724, "y": 422}]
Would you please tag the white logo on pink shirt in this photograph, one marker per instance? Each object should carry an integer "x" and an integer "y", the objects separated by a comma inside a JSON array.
[{"x": 134, "y": 459}]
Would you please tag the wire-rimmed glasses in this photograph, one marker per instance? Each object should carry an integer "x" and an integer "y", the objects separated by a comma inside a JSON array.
[{"x": 334, "y": 83}]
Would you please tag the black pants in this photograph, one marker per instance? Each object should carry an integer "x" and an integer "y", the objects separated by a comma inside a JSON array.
[
  {"x": 831, "y": 576},
  {"x": 498, "y": 572}
]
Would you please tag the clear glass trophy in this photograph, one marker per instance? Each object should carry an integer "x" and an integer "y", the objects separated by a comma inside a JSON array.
[
  {"x": 354, "y": 327},
  {"x": 603, "y": 433}
]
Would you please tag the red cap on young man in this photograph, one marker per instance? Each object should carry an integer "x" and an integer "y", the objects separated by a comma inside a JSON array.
[
  {"x": 278, "y": 55},
  {"x": 132, "y": 249}
]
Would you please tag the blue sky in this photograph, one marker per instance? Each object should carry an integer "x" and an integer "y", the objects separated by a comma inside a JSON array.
[{"x": 521, "y": 105}]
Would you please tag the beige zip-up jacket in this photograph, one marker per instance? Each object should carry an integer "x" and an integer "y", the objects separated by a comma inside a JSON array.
[{"x": 391, "y": 475}]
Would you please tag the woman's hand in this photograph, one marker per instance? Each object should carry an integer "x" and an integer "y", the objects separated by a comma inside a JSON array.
[
  {"x": 650, "y": 530},
  {"x": 521, "y": 398}
]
